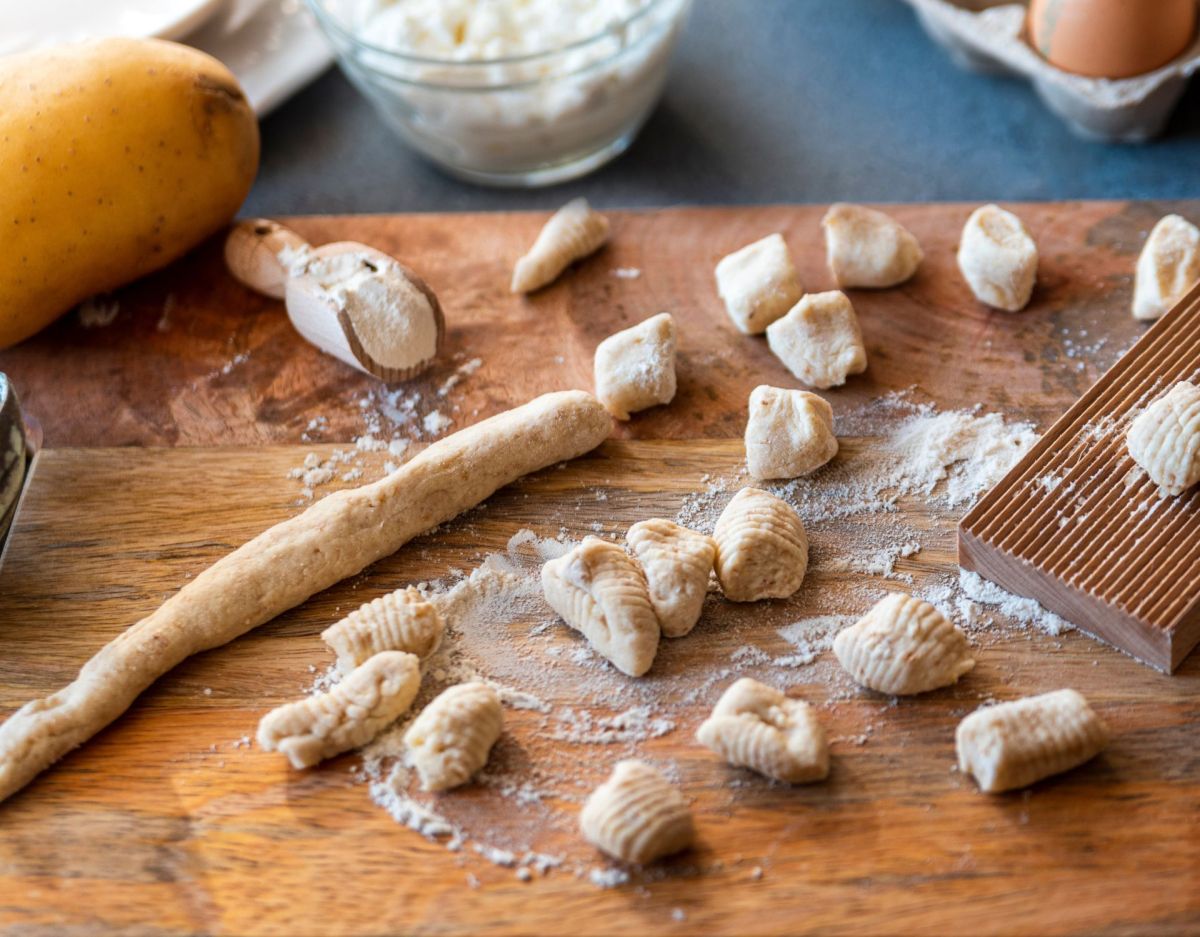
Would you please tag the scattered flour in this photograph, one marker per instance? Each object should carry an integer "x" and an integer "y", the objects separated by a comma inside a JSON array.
[
  {"x": 1021, "y": 610},
  {"x": 435, "y": 423},
  {"x": 98, "y": 312},
  {"x": 895, "y": 494}
]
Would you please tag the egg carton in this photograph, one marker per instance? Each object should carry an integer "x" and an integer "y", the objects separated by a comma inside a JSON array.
[{"x": 989, "y": 36}]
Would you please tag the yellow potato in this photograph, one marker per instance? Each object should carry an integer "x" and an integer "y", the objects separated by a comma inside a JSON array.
[{"x": 116, "y": 157}]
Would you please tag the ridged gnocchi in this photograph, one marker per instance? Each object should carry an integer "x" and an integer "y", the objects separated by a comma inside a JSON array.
[
  {"x": 998, "y": 258},
  {"x": 572, "y": 233},
  {"x": 758, "y": 284},
  {"x": 867, "y": 248},
  {"x": 788, "y": 433},
  {"x": 372, "y": 697},
  {"x": 762, "y": 549},
  {"x": 676, "y": 562},
  {"x": 637, "y": 816},
  {"x": 903, "y": 646},
  {"x": 600, "y": 591},
  {"x": 1165, "y": 439},
  {"x": 451, "y": 739},
  {"x": 399, "y": 621},
  {"x": 1015, "y": 744},
  {"x": 1168, "y": 266},
  {"x": 635, "y": 368},
  {"x": 756, "y": 726},
  {"x": 819, "y": 340}
]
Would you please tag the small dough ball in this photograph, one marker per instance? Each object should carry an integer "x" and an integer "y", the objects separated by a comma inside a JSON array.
[
  {"x": 758, "y": 284},
  {"x": 789, "y": 433},
  {"x": 635, "y": 368},
  {"x": 819, "y": 340},
  {"x": 762, "y": 548},
  {"x": 1165, "y": 439},
  {"x": 637, "y": 815},
  {"x": 1168, "y": 267},
  {"x": 867, "y": 248},
  {"x": 998, "y": 258},
  {"x": 573, "y": 232}
]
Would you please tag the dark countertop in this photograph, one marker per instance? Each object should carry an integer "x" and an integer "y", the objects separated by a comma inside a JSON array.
[{"x": 768, "y": 101}]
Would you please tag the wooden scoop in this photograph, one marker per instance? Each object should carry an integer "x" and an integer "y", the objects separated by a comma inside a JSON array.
[{"x": 350, "y": 300}]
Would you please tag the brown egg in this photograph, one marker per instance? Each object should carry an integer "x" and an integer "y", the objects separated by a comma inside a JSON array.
[{"x": 1111, "y": 38}]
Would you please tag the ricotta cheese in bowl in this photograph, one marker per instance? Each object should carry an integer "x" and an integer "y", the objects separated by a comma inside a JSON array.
[{"x": 515, "y": 92}]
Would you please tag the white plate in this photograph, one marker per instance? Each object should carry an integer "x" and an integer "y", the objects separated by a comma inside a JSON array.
[
  {"x": 29, "y": 24},
  {"x": 273, "y": 46}
]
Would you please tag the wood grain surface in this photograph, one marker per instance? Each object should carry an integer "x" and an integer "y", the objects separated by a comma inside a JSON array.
[
  {"x": 166, "y": 824},
  {"x": 195, "y": 359}
]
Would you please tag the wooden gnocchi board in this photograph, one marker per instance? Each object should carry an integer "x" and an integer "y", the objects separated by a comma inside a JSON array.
[{"x": 165, "y": 823}]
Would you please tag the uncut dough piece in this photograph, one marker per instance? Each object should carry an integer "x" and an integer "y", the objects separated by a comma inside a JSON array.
[
  {"x": 339, "y": 536},
  {"x": 572, "y": 233},
  {"x": 758, "y": 284},
  {"x": 789, "y": 433},
  {"x": 998, "y": 258},
  {"x": 762, "y": 549},
  {"x": 756, "y": 726},
  {"x": 600, "y": 591},
  {"x": 677, "y": 563},
  {"x": 399, "y": 621},
  {"x": 1168, "y": 267},
  {"x": 1015, "y": 744},
  {"x": 903, "y": 646},
  {"x": 367, "y": 701},
  {"x": 1165, "y": 439},
  {"x": 819, "y": 340},
  {"x": 454, "y": 734},
  {"x": 637, "y": 816},
  {"x": 635, "y": 368},
  {"x": 867, "y": 248}
]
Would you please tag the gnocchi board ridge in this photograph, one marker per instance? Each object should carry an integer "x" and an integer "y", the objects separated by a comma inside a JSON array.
[
  {"x": 163, "y": 824},
  {"x": 1078, "y": 527}
]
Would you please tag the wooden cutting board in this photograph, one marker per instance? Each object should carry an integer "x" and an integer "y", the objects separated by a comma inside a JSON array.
[{"x": 166, "y": 824}]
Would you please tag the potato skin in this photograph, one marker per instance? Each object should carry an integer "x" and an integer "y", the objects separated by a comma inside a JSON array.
[{"x": 117, "y": 156}]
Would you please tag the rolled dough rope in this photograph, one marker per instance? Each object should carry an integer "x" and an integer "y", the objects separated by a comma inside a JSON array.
[{"x": 281, "y": 567}]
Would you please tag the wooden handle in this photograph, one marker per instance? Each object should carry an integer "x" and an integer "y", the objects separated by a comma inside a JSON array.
[{"x": 252, "y": 255}]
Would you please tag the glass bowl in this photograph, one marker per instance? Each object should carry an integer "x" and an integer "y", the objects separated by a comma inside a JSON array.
[{"x": 526, "y": 120}]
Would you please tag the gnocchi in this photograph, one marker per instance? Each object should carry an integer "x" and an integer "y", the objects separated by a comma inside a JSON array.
[
  {"x": 572, "y": 233},
  {"x": 756, "y": 726},
  {"x": 998, "y": 258},
  {"x": 819, "y": 340},
  {"x": 372, "y": 697},
  {"x": 1165, "y": 439},
  {"x": 454, "y": 734},
  {"x": 762, "y": 549},
  {"x": 637, "y": 816},
  {"x": 1167, "y": 268},
  {"x": 788, "y": 433},
  {"x": 867, "y": 248},
  {"x": 758, "y": 284},
  {"x": 677, "y": 563},
  {"x": 1015, "y": 744},
  {"x": 635, "y": 368},
  {"x": 903, "y": 646},
  {"x": 399, "y": 621},
  {"x": 600, "y": 591}
]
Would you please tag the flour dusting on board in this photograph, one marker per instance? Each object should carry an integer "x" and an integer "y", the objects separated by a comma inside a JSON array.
[
  {"x": 891, "y": 497},
  {"x": 392, "y": 420}
]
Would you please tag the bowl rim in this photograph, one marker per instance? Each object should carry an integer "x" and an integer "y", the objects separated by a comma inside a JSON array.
[{"x": 328, "y": 21}]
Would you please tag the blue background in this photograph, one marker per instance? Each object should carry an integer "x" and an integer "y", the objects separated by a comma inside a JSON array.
[{"x": 768, "y": 101}]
